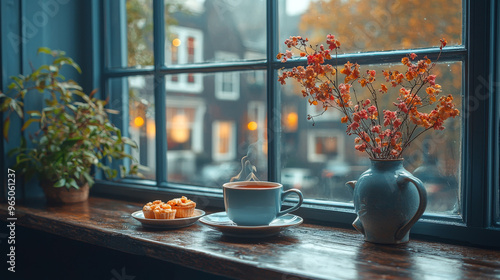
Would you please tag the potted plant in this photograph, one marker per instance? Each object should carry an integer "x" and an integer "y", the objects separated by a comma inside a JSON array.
[
  {"x": 386, "y": 203},
  {"x": 75, "y": 134}
]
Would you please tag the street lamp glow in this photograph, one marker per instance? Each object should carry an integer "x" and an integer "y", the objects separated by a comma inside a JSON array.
[
  {"x": 252, "y": 126},
  {"x": 139, "y": 121},
  {"x": 176, "y": 42}
]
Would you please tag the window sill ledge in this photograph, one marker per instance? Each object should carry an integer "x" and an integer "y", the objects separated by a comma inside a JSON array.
[{"x": 306, "y": 251}]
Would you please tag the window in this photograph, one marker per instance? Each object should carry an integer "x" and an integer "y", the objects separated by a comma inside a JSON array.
[
  {"x": 184, "y": 124},
  {"x": 227, "y": 84},
  {"x": 211, "y": 93},
  {"x": 184, "y": 46},
  {"x": 142, "y": 122},
  {"x": 255, "y": 79},
  {"x": 289, "y": 119},
  {"x": 321, "y": 115},
  {"x": 224, "y": 140},
  {"x": 324, "y": 145}
]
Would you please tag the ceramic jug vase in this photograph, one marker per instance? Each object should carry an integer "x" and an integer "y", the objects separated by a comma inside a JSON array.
[{"x": 388, "y": 201}]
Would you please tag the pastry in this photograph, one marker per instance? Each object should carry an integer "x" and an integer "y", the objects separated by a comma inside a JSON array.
[
  {"x": 164, "y": 211},
  {"x": 184, "y": 207},
  {"x": 148, "y": 211}
]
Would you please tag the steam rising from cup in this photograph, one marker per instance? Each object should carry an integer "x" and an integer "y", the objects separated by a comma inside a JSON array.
[{"x": 246, "y": 165}]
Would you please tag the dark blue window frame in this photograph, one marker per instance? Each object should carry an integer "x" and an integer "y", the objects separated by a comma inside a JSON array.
[{"x": 479, "y": 223}]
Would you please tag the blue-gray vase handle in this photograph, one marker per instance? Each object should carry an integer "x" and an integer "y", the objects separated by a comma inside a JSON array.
[{"x": 402, "y": 178}]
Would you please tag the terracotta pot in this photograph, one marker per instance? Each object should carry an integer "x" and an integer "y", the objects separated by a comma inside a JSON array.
[
  {"x": 388, "y": 200},
  {"x": 64, "y": 195}
]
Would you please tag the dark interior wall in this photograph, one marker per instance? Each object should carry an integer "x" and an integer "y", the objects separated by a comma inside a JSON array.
[{"x": 26, "y": 25}]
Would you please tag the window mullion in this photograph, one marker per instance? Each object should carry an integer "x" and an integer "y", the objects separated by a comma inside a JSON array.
[
  {"x": 493, "y": 145},
  {"x": 214, "y": 67},
  {"x": 159, "y": 90},
  {"x": 116, "y": 56},
  {"x": 476, "y": 115},
  {"x": 448, "y": 54},
  {"x": 273, "y": 97},
  {"x": 127, "y": 72}
]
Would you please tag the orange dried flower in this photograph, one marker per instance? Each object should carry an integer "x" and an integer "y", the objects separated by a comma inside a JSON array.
[{"x": 381, "y": 135}]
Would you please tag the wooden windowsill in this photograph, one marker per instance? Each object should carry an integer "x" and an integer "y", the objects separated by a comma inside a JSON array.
[{"x": 306, "y": 251}]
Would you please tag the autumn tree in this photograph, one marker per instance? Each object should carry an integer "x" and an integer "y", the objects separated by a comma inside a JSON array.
[
  {"x": 140, "y": 28},
  {"x": 384, "y": 24}
]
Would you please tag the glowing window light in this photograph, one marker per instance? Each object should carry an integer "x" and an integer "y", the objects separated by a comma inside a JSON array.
[
  {"x": 292, "y": 119},
  {"x": 176, "y": 42},
  {"x": 180, "y": 129},
  {"x": 252, "y": 126},
  {"x": 151, "y": 129},
  {"x": 138, "y": 121}
]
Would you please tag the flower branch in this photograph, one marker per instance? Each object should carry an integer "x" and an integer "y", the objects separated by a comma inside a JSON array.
[{"x": 383, "y": 133}]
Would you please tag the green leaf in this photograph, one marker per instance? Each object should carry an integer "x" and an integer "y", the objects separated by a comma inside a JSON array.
[
  {"x": 88, "y": 178},
  {"x": 20, "y": 160},
  {"x": 43, "y": 140},
  {"x": 14, "y": 151},
  {"x": 23, "y": 93},
  {"x": 48, "y": 109},
  {"x": 71, "y": 85},
  {"x": 130, "y": 142},
  {"x": 73, "y": 184},
  {"x": 60, "y": 183},
  {"x": 66, "y": 60},
  {"x": 70, "y": 142},
  {"x": 6, "y": 125},
  {"x": 34, "y": 113},
  {"x": 70, "y": 106},
  {"x": 6, "y": 103},
  {"x": 28, "y": 122},
  {"x": 112, "y": 111},
  {"x": 17, "y": 108},
  {"x": 44, "y": 50},
  {"x": 19, "y": 81}
]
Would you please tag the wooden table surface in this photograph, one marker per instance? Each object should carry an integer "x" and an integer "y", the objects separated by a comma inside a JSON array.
[{"x": 303, "y": 252}]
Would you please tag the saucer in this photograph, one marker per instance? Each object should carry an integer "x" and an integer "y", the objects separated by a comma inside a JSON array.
[
  {"x": 164, "y": 223},
  {"x": 221, "y": 222}
]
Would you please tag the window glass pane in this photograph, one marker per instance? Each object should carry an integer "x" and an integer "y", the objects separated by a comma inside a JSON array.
[
  {"x": 198, "y": 31},
  {"x": 372, "y": 25},
  {"x": 319, "y": 159},
  {"x": 140, "y": 32},
  {"x": 130, "y": 33},
  {"x": 134, "y": 98},
  {"x": 209, "y": 133},
  {"x": 436, "y": 156}
]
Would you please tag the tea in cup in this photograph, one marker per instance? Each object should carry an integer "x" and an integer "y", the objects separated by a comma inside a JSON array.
[{"x": 256, "y": 203}]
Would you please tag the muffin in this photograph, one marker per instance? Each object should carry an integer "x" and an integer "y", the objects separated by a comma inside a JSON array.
[
  {"x": 156, "y": 202},
  {"x": 184, "y": 207},
  {"x": 164, "y": 211},
  {"x": 148, "y": 211}
]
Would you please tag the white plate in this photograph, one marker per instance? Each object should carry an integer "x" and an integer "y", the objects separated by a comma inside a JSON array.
[
  {"x": 221, "y": 222},
  {"x": 164, "y": 223}
]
